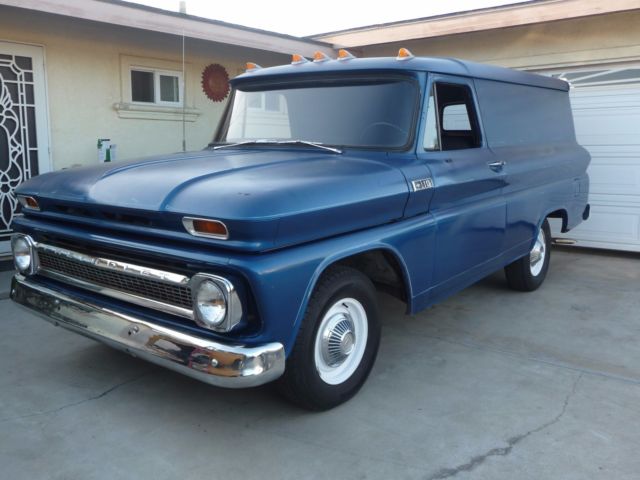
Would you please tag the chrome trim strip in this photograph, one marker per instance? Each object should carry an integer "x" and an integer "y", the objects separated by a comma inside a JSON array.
[
  {"x": 215, "y": 363},
  {"x": 120, "y": 295},
  {"x": 117, "y": 266},
  {"x": 234, "y": 306},
  {"x": 120, "y": 267},
  {"x": 187, "y": 222}
]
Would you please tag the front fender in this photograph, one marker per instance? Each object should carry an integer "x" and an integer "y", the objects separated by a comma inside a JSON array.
[
  {"x": 283, "y": 281},
  {"x": 337, "y": 257}
]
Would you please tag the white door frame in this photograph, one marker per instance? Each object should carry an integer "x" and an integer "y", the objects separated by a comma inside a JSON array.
[{"x": 36, "y": 53}]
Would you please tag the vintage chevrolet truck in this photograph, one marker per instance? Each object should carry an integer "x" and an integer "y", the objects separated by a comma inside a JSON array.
[{"x": 261, "y": 257}]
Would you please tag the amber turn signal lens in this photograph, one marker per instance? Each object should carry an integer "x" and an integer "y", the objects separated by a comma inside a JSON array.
[
  {"x": 209, "y": 227},
  {"x": 202, "y": 227},
  {"x": 404, "y": 54},
  {"x": 28, "y": 202}
]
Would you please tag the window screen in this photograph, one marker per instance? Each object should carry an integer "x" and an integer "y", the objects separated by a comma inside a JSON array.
[{"x": 169, "y": 88}]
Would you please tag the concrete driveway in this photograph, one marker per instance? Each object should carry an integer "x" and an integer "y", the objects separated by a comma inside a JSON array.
[{"x": 491, "y": 384}]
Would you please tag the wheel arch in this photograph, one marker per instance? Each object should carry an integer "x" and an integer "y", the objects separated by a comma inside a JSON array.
[
  {"x": 560, "y": 213},
  {"x": 364, "y": 259},
  {"x": 554, "y": 212}
]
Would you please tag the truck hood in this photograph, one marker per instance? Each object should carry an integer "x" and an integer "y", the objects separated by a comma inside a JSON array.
[{"x": 269, "y": 197}]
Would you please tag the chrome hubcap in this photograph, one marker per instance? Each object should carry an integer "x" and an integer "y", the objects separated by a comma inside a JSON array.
[
  {"x": 341, "y": 341},
  {"x": 538, "y": 254},
  {"x": 338, "y": 340}
]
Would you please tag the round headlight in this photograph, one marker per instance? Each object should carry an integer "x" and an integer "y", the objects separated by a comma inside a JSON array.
[
  {"x": 210, "y": 304},
  {"x": 22, "y": 256}
]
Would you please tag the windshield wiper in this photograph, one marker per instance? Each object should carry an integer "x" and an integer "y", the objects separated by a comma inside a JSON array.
[
  {"x": 278, "y": 142},
  {"x": 312, "y": 144},
  {"x": 237, "y": 144}
]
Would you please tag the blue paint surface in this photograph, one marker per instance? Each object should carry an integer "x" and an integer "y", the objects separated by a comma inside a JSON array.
[{"x": 293, "y": 211}]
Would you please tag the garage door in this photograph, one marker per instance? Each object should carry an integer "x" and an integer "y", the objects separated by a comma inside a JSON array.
[{"x": 606, "y": 110}]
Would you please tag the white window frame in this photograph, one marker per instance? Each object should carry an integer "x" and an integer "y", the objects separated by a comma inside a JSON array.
[
  {"x": 263, "y": 105},
  {"x": 156, "y": 86},
  {"x": 184, "y": 111}
]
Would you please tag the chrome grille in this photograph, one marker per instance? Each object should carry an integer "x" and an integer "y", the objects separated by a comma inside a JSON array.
[{"x": 166, "y": 293}]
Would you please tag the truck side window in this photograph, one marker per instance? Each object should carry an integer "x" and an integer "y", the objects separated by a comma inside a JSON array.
[
  {"x": 431, "y": 138},
  {"x": 456, "y": 123}
]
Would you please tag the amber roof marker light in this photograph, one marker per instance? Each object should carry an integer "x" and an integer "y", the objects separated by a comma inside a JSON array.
[
  {"x": 250, "y": 67},
  {"x": 404, "y": 54},
  {"x": 320, "y": 57},
  {"x": 297, "y": 59},
  {"x": 345, "y": 55}
]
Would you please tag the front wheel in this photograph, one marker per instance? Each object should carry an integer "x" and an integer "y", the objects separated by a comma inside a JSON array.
[
  {"x": 337, "y": 343},
  {"x": 528, "y": 273}
]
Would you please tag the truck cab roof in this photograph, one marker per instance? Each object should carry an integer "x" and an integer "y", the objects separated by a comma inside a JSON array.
[{"x": 451, "y": 66}]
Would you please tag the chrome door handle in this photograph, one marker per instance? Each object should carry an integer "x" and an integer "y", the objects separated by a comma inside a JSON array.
[{"x": 497, "y": 166}]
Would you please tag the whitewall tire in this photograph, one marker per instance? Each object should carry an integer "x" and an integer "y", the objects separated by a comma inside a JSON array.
[{"x": 337, "y": 342}]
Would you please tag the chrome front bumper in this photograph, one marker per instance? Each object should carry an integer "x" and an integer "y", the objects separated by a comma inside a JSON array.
[{"x": 219, "y": 364}]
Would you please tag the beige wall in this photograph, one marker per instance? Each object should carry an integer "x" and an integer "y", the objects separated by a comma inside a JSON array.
[
  {"x": 591, "y": 40},
  {"x": 83, "y": 70}
]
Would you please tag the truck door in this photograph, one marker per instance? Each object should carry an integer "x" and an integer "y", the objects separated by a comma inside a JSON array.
[{"x": 467, "y": 203}]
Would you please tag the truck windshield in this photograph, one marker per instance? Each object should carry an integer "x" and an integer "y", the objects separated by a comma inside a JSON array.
[{"x": 373, "y": 113}]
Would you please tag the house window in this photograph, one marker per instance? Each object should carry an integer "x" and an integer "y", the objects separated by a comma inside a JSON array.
[
  {"x": 266, "y": 102},
  {"x": 157, "y": 87}
]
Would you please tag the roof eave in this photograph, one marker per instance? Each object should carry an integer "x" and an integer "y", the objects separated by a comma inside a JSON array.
[
  {"x": 137, "y": 16},
  {"x": 512, "y": 15}
]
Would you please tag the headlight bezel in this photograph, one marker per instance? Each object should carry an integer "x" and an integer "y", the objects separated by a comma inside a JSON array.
[
  {"x": 33, "y": 264},
  {"x": 233, "y": 306}
]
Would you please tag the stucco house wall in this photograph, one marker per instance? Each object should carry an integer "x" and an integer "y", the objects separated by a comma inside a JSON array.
[
  {"x": 84, "y": 72},
  {"x": 576, "y": 42}
]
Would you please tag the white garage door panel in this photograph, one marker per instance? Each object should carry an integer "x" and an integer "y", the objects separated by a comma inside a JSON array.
[
  {"x": 611, "y": 224},
  {"x": 612, "y": 174},
  {"x": 607, "y": 121}
]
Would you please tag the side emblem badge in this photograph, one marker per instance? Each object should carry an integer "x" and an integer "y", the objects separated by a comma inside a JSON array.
[{"x": 422, "y": 184}]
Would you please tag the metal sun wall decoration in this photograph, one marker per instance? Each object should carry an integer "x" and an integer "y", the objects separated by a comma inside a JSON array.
[{"x": 215, "y": 82}]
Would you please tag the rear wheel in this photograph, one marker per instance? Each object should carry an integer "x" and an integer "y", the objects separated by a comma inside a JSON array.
[
  {"x": 528, "y": 273},
  {"x": 337, "y": 343}
]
